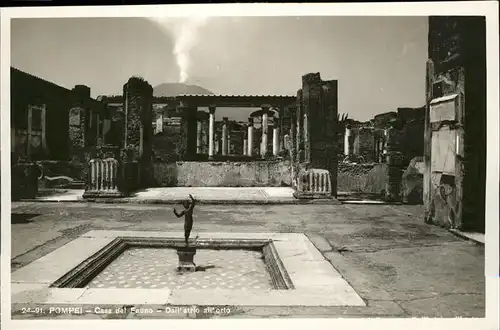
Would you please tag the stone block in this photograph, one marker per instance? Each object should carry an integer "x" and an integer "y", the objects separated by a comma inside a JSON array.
[
  {"x": 186, "y": 259},
  {"x": 103, "y": 178},
  {"x": 412, "y": 182},
  {"x": 24, "y": 180},
  {"x": 314, "y": 184}
]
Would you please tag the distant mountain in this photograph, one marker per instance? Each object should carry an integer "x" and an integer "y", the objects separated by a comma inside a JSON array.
[{"x": 174, "y": 89}]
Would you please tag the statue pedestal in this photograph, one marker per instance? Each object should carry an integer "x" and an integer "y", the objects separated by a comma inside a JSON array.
[{"x": 186, "y": 259}]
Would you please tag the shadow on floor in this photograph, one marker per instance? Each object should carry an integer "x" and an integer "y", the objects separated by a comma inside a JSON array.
[{"x": 18, "y": 218}]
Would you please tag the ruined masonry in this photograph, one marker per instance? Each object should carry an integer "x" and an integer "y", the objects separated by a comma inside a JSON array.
[
  {"x": 455, "y": 135},
  {"x": 316, "y": 115}
]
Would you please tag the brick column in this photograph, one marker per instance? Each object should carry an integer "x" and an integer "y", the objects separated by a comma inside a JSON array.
[
  {"x": 394, "y": 171},
  {"x": 307, "y": 149},
  {"x": 76, "y": 129},
  {"x": 318, "y": 100},
  {"x": 138, "y": 97},
  {"x": 293, "y": 137},
  {"x": 78, "y": 119},
  {"x": 299, "y": 136},
  {"x": 189, "y": 128}
]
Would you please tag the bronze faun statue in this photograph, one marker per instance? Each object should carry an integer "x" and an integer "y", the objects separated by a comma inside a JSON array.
[{"x": 188, "y": 216}]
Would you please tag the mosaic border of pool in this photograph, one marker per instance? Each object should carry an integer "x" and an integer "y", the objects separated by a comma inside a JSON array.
[
  {"x": 83, "y": 273},
  {"x": 316, "y": 282}
]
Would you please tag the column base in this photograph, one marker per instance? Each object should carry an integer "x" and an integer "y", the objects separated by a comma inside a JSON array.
[
  {"x": 312, "y": 195},
  {"x": 102, "y": 194}
]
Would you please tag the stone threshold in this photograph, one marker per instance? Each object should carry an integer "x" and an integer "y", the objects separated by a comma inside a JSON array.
[
  {"x": 369, "y": 202},
  {"x": 470, "y": 236},
  {"x": 316, "y": 282},
  {"x": 127, "y": 200}
]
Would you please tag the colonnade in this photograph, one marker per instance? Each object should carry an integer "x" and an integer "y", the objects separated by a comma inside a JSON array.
[{"x": 221, "y": 143}]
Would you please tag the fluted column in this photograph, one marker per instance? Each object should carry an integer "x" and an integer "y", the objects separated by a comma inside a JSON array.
[
  {"x": 198, "y": 136},
  {"x": 264, "y": 130},
  {"x": 347, "y": 141},
  {"x": 276, "y": 141},
  {"x": 250, "y": 137},
  {"x": 216, "y": 143},
  {"x": 224, "y": 136},
  {"x": 211, "y": 131}
]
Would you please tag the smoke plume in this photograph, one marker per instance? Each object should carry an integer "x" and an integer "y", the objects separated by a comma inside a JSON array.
[{"x": 185, "y": 32}]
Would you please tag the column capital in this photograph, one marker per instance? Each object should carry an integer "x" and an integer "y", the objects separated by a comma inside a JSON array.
[
  {"x": 211, "y": 109},
  {"x": 265, "y": 107},
  {"x": 250, "y": 121},
  {"x": 225, "y": 120}
]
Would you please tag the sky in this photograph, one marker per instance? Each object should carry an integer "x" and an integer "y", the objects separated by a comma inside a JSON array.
[{"x": 378, "y": 61}]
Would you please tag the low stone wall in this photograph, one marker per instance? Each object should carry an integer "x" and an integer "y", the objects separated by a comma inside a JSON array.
[
  {"x": 222, "y": 174},
  {"x": 364, "y": 178}
]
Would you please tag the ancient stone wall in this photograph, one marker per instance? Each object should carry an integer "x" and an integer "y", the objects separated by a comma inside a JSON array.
[
  {"x": 456, "y": 89},
  {"x": 138, "y": 95},
  {"x": 362, "y": 178},
  {"x": 29, "y": 90},
  {"x": 70, "y": 122},
  {"x": 222, "y": 174},
  {"x": 316, "y": 113}
]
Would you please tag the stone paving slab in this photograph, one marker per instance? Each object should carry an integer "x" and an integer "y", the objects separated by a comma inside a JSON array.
[
  {"x": 53, "y": 265},
  {"x": 413, "y": 256},
  {"x": 298, "y": 237},
  {"x": 297, "y": 297},
  {"x": 476, "y": 237},
  {"x": 205, "y": 195},
  {"x": 29, "y": 292},
  {"x": 124, "y": 296},
  {"x": 181, "y": 193},
  {"x": 66, "y": 195},
  {"x": 177, "y": 193}
]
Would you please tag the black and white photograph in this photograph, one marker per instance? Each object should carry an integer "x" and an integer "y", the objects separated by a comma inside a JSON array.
[{"x": 217, "y": 162}]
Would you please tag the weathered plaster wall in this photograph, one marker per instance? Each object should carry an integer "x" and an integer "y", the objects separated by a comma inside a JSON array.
[
  {"x": 412, "y": 183},
  {"x": 366, "y": 178},
  {"x": 222, "y": 174},
  {"x": 455, "y": 180}
]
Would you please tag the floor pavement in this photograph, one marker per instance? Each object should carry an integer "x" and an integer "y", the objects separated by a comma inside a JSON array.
[
  {"x": 175, "y": 194},
  {"x": 206, "y": 195},
  {"x": 399, "y": 265}
]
